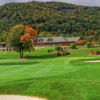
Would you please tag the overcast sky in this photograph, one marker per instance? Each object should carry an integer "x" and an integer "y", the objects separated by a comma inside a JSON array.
[{"x": 78, "y": 2}]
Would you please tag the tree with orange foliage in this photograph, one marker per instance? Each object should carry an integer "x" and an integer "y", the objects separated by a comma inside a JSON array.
[
  {"x": 81, "y": 42},
  {"x": 94, "y": 42},
  {"x": 21, "y": 37},
  {"x": 27, "y": 38}
]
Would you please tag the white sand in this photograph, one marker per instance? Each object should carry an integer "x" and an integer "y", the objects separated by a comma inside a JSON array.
[
  {"x": 18, "y": 97},
  {"x": 92, "y": 61}
]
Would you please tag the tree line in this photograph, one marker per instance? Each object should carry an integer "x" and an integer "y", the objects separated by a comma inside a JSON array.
[{"x": 50, "y": 18}]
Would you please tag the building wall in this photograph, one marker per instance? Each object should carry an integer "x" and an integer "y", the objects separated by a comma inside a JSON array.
[{"x": 4, "y": 47}]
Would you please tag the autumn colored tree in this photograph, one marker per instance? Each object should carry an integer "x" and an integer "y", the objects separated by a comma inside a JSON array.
[
  {"x": 93, "y": 42},
  {"x": 27, "y": 38},
  {"x": 82, "y": 42},
  {"x": 20, "y": 38}
]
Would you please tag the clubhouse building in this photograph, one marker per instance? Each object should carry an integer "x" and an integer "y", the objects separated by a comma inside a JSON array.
[
  {"x": 4, "y": 47},
  {"x": 44, "y": 41},
  {"x": 54, "y": 40}
]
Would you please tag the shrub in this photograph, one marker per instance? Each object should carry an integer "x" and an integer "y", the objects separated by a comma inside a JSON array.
[
  {"x": 95, "y": 52},
  {"x": 88, "y": 44},
  {"x": 61, "y": 49},
  {"x": 49, "y": 51},
  {"x": 57, "y": 48},
  {"x": 58, "y": 53},
  {"x": 66, "y": 53},
  {"x": 62, "y": 53},
  {"x": 92, "y": 52},
  {"x": 72, "y": 46},
  {"x": 98, "y": 52}
]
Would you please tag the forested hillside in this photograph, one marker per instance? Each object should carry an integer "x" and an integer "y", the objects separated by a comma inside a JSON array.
[{"x": 51, "y": 18}]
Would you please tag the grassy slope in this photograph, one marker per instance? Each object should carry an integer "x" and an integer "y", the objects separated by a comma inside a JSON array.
[{"x": 55, "y": 78}]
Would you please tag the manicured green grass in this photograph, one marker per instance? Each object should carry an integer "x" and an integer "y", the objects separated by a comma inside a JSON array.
[{"x": 48, "y": 76}]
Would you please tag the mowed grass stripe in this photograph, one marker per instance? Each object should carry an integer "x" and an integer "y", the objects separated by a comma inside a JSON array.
[
  {"x": 22, "y": 73},
  {"x": 9, "y": 67},
  {"x": 59, "y": 67},
  {"x": 13, "y": 66},
  {"x": 29, "y": 72},
  {"x": 42, "y": 71},
  {"x": 20, "y": 69},
  {"x": 3, "y": 65}
]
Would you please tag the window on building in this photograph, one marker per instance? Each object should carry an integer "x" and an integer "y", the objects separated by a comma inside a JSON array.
[
  {"x": 50, "y": 39},
  {"x": 40, "y": 40},
  {"x": 3, "y": 45},
  {"x": 34, "y": 40}
]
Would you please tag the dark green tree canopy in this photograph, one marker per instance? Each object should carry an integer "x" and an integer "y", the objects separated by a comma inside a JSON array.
[
  {"x": 50, "y": 16},
  {"x": 14, "y": 38}
]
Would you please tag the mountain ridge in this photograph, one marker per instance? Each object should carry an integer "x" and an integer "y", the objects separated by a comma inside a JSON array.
[{"x": 52, "y": 18}]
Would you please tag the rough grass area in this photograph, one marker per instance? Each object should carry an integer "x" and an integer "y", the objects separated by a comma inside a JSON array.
[{"x": 48, "y": 76}]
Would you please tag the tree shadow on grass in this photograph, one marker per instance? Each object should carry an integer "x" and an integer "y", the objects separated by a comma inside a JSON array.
[
  {"x": 49, "y": 55},
  {"x": 5, "y": 58},
  {"x": 41, "y": 56},
  {"x": 18, "y": 63}
]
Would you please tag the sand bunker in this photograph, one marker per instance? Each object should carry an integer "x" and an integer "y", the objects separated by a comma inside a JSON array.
[
  {"x": 18, "y": 97},
  {"x": 92, "y": 61}
]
